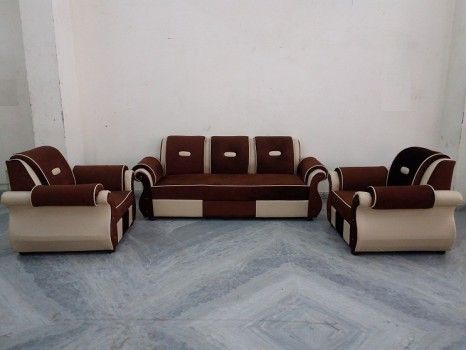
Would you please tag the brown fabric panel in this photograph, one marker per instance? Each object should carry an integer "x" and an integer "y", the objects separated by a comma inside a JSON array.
[
  {"x": 43, "y": 160},
  {"x": 65, "y": 195},
  {"x": 315, "y": 200},
  {"x": 442, "y": 175},
  {"x": 176, "y": 164},
  {"x": 220, "y": 164},
  {"x": 229, "y": 209},
  {"x": 416, "y": 159},
  {"x": 152, "y": 165},
  {"x": 359, "y": 178},
  {"x": 110, "y": 176},
  {"x": 341, "y": 201},
  {"x": 266, "y": 164},
  {"x": 19, "y": 177},
  {"x": 233, "y": 193},
  {"x": 120, "y": 201},
  {"x": 231, "y": 179},
  {"x": 402, "y": 197},
  {"x": 308, "y": 165}
]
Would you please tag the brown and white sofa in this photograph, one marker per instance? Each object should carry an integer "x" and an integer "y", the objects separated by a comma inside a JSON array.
[
  {"x": 409, "y": 208},
  {"x": 230, "y": 176},
  {"x": 54, "y": 208}
]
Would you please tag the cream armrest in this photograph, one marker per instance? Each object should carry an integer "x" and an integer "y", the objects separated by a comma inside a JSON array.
[
  {"x": 334, "y": 180},
  {"x": 149, "y": 171},
  {"x": 448, "y": 198},
  {"x": 128, "y": 178},
  {"x": 102, "y": 197},
  {"x": 12, "y": 198}
]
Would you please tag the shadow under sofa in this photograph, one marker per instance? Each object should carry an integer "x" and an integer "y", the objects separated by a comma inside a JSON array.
[{"x": 230, "y": 177}]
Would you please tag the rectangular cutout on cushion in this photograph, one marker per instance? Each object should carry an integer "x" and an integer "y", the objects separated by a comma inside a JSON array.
[
  {"x": 184, "y": 154},
  {"x": 230, "y": 154}
]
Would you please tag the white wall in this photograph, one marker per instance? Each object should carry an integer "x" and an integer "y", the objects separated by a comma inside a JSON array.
[
  {"x": 355, "y": 80},
  {"x": 15, "y": 114}
]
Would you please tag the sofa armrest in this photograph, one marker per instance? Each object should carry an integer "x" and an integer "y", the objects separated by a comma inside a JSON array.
[
  {"x": 148, "y": 170},
  {"x": 66, "y": 195},
  {"x": 308, "y": 168},
  {"x": 112, "y": 177},
  {"x": 360, "y": 178}
]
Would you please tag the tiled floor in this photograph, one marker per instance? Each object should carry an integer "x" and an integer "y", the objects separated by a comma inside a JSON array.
[{"x": 214, "y": 284}]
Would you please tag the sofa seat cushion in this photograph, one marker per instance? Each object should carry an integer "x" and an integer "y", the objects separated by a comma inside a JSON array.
[
  {"x": 120, "y": 201},
  {"x": 341, "y": 201},
  {"x": 232, "y": 187}
]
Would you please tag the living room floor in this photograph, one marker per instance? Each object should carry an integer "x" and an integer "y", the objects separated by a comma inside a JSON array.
[{"x": 233, "y": 284}]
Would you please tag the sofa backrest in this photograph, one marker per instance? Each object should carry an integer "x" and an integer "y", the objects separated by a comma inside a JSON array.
[
  {"x": 43, "y": 165},
  {"x": 229, "y": 155},
  {"x": 421, "y": 166}
]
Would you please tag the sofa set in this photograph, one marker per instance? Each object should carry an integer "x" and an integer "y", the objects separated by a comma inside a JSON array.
[{"x": 55, "y": 208}]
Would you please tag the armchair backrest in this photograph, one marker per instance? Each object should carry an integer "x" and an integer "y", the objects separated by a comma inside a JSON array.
[
  {"x": 229, "y": 155},
  {"x": 43, "y": 165},
  {"x": 421, "y": 166}
]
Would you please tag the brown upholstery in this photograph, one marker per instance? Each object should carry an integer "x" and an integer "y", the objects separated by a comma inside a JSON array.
[
  {"x": 120, "y": 202},
  {"x": 415, "y": 160},
  {"x": 20, "y": 180},
  {"x": 153, "y": 167},
  {"x": 342, "y": 202},
  {"x": 192, "y": 163},
  {"x": 234, "y": 187},
  {"x": 402, "y": 197},
  {"x": 307, "y": 165},
  {"x": 65, "y": 195},
  {"x": 112, "y": 177},
  {"x": 359, "y": 178},
  {"x": 48, "y": 164},
  {"x": 269, "y": 164},
  {"x": 229, "y": 154}
]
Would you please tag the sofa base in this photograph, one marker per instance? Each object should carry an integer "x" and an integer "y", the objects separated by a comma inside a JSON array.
[{"x": 230, "y": 209}]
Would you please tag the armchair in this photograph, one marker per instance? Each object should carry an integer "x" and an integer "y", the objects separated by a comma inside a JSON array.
[
  {"x": 409, "y": 208},
  {"x": 55, "y": 208}
]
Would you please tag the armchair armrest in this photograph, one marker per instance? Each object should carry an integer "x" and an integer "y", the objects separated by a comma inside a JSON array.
[
  {"x": 148, "y": 170},
  {"x": 66, "y": 195},
  {"x": 112, "y": 177},
  {"x": 359, "y": 178},
  {"x": 308, "y": 168}
]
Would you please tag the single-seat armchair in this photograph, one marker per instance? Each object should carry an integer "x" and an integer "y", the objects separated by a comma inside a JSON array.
[
  {"x": 54, "y": 208},
  {"x": 408, "y": 208}
]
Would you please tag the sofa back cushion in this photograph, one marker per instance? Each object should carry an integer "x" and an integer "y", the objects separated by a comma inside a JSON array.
[
  {"x": 410, "y": 164},
  {"x": 276, "y": 155},
  {"x": 183, "y": 154},
  {"x": 48, "y": 164},
  {"x": 229, "y": 154}
]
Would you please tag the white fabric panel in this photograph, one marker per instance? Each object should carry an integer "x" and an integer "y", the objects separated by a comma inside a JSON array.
[
  {"x": 335, "y": 180},
  {"x": 252, "y": 168},
  {"x": 163, "y": 155},
  {"x": 346, "y": 231},
  {"x": 128, "y": 180},
  {"x": 207, "y": 155},
  {"x": 282, "y": 209},
  {"x": 296, "y": 154},
  {"x": 177, "y": 207},
  {"x": 120, "y": 229},
  {"x": 12, "y": 198},
  {"x": 448, "y": 198}
]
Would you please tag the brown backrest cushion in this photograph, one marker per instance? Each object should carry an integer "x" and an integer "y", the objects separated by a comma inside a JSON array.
[
  {"x": 229, "y": 154},
  {"x": 184, "y": 155},
  {"x": 410, "y": 164},
  {"x": 274, "y": 154},
  {"x": 49, "y": 165},
  {"x": 402, "y": 197}
]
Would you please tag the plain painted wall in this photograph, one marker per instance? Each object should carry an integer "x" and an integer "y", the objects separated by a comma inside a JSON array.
[
  {"x": 355, "y": 80},
  {"x": 16, "y": 132}
]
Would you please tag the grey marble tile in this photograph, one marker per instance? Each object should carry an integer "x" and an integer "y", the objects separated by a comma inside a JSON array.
[{"x": 232, "y": 284}]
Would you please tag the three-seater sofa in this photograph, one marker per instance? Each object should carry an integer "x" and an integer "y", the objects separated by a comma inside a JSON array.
[{"x": 230, "y": 176}]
